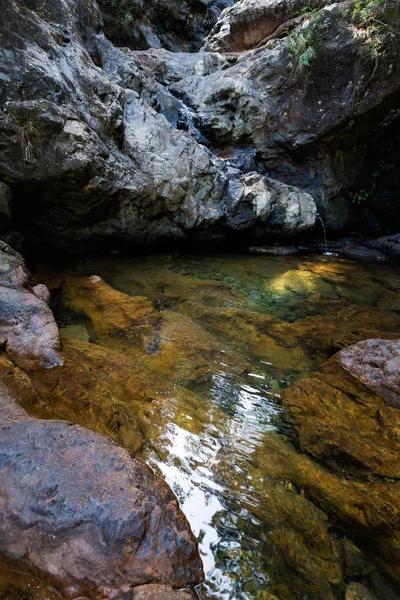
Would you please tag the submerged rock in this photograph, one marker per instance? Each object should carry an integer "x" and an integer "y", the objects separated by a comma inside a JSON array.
[
  {"x": 78, "y": 511},
  {"x": 353, "y": 430},
  {"x": 164, "y": 341},
  {"x": 357, "y": 591}
]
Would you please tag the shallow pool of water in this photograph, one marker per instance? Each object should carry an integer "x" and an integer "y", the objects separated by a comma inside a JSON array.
[{"x": 250, "y": 326}]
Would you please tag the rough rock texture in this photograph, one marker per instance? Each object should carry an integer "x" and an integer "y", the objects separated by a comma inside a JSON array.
[
  {"x": 253, "y": 200},
  {"x": 96, "y": 530},
  {"x": 311, "y": 126},
  {"x": 340, "y": 390},
  {"x": 388, "y": 245},
  {"x": 95, "y": 159},
  {"x": 354, "y": 431},
  {"x": 27, "y": 327},
  {"x": 251, "y": 22},
  {"x": 377, "y": 364},
  {"x": 100, "y": 143},
  {"x": 172, "y": 24}
]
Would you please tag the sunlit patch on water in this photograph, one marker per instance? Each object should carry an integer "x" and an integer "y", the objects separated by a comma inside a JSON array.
[{"x": 230, "y": 550}]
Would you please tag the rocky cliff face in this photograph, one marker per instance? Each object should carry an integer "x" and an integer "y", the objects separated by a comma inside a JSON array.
[
  {"x": 100, "y": 143},
  {"x": 170, "y": 24}
]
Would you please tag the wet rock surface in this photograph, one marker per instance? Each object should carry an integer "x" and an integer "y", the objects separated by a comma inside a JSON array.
[
  {"x": 94, "y": 530},
  {"x": 27, "y": 327},
  {"x": 345, "y": 421},
  {"x": 302, "y": 504}
]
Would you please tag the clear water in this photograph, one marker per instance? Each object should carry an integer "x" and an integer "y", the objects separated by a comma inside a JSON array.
[{"x": 268, "y": 321}]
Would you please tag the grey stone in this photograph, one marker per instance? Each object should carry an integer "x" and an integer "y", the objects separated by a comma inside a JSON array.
[{"x": 27, "y": 326}]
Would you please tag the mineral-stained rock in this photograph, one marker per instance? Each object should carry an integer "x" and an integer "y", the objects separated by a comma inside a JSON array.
[
  {"x": 365, "y": 509},
  {"x": 80, "y": 512},
  {"x": 170, "y": 343},
  {"x": 354, "y": 431},
  {"x": 340, "y": 421},
  {"x": 27, "y": 326}
]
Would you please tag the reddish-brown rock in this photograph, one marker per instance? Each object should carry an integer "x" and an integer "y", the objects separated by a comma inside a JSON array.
[
  {"x": 342, "y": 422},
  {"x": 77, "y": 510}
]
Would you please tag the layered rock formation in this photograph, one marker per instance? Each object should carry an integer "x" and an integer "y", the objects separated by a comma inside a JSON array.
[
  {"x": 100, "y": 143},
  {"x": 88, "y": 152}
]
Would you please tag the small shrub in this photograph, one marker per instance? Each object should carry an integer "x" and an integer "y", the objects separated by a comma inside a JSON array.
[
  {"x": 303, "y": 44},
  {"x": 375, "y": 18}
]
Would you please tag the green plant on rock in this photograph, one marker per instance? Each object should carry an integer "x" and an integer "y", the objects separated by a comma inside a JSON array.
[
  {"x": 377, "y": 19},
  {"x": 304, "y": 42},
  {"x": 362, "y": 196},
  {"x": 207, "y": 19}
]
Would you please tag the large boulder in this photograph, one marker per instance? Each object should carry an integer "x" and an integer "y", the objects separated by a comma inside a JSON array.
[
  {"x": 347, "y": 415},
  {"x": 253, "y": 200},
  {"x": 251, "y": 22},
  {"x": 94, "y": 530},
  {"x": 27, "y": 327}
]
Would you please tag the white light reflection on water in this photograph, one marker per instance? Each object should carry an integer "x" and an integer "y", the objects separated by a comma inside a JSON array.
[{"x": 244, "y": 413}]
